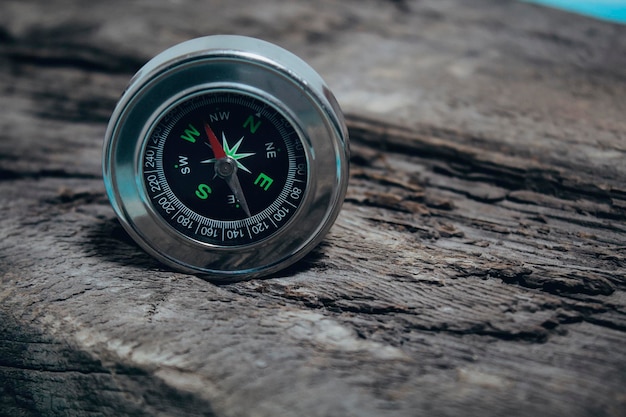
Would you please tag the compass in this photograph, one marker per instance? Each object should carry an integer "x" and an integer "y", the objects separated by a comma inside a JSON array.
[{"x": 226, "y": 156}]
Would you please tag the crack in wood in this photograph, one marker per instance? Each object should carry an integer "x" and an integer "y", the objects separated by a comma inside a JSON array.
[
  {"x": 439, "y": 144},
  {"x": 13, "y": 174},
  {"x": 67, "y": 55}
]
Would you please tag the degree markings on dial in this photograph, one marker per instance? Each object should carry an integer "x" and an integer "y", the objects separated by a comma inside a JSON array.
[
  {"x": 272, "y": 220},
  {"x": 176, "y": 214}
]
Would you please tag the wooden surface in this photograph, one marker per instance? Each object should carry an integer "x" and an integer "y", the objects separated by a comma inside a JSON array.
[{"x": 477, "y": 267}]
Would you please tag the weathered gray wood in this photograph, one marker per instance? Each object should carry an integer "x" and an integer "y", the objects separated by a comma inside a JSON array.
[{"x": 477, "y": 267}]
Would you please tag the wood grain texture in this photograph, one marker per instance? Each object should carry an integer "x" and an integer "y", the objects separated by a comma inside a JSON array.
[{"x": 477, "y": 268}]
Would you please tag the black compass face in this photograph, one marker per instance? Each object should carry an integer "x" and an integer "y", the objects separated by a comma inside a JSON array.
[{"x": 225, "y": 168}]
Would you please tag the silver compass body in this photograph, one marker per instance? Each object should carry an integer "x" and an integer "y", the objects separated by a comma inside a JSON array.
[{"x": 226, "y": 156}]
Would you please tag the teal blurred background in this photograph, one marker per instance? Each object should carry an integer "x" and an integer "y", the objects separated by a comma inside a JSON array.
[{"x": 613, "y": 10}]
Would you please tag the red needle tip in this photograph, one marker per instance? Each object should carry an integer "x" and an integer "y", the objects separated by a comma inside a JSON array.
[{"x": 218, "y": 151}]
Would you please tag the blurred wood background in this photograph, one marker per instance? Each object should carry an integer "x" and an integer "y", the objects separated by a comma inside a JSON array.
[{"x": 477, "y": 268}]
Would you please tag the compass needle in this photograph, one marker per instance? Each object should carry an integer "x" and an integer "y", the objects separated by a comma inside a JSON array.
[
  {"x": 235, "y": 186},
  {"x": 218, "y": 150},
  {"x": 250, "y": 205}
]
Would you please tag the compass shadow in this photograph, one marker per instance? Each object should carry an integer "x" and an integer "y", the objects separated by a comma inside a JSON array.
[
  {"x": 312, "y": 261},
  {"x": 109, "y": 241}
]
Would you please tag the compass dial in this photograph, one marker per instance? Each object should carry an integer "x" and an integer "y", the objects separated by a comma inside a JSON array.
[{"x": 225, "y": 168}]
